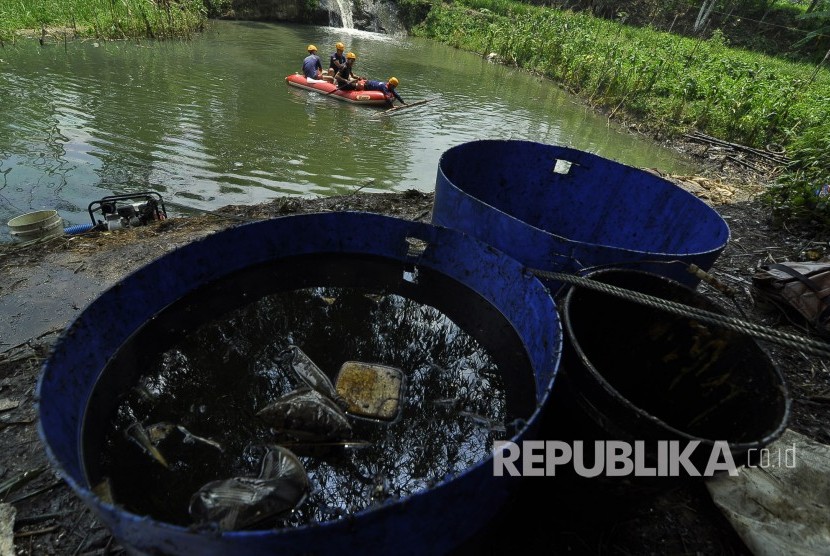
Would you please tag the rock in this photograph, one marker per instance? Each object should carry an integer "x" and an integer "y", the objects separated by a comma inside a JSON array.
[{"x": 7, "y": 515}]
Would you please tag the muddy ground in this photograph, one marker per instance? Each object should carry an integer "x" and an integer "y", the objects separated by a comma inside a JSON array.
[{"x": 44, "y": 286}]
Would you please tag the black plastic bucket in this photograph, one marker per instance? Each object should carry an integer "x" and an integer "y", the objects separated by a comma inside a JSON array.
[{"x": 636, "y": 373}]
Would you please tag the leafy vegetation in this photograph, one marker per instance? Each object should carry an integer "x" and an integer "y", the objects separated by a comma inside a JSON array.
[
  {"x": 797, "y": 29},
  {"x": 675, "y": 83},
  {"x": 693, "y": 77},
  {"x": 110, "y": 19}
]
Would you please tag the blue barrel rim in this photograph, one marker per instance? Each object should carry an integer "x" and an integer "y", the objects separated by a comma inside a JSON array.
[
  {"x": 84, "y": 491},
  {"x": 470, "y": 144},
  {"x": 502, "y": 191}
]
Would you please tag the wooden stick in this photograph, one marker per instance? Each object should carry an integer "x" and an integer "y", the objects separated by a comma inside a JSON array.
[
  {"x": 396, "y": 108},
  {"x": 773, "y": 157},
  {"x": 36, "y": 532}
]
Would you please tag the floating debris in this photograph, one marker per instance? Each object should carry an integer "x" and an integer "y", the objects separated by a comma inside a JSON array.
[
  {"x": 158, "y": 432},
  {"x": 380, "y": 489},
  {"x": 242, "y": 502},
  {"x": 103, "y": 491},
  {"x": 309, "y": 373},
  {"x": 138, "y": 434},
  {"x": 449, "y": 403},
  {"x": 307, "y": 414},
  {"x": 370, "y": 390},
  {"x": 232, "y": 381},
  {"x": 482, "y": 421},
  {"x": 162, "y": 431}
]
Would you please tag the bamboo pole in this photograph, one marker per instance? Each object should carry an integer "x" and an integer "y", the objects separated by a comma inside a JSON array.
[{"x": 390, "y": 111}]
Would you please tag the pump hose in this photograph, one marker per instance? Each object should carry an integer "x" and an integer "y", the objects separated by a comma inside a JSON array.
[{"x": 77, "y": 229}]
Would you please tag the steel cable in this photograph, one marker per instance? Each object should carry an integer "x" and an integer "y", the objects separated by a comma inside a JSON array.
[{"x": 803, "y": 343}]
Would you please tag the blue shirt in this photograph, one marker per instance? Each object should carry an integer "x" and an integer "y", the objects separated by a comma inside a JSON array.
[
  {"x": 310, "y": 66},
  {"x": 382, "y": 87}
]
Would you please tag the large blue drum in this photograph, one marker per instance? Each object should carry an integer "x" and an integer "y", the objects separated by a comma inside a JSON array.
[
  {"x": 79, "y": 382},
  {"x": 564, "y": 210}
]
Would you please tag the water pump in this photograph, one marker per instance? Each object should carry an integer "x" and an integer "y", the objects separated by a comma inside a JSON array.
[{"x": 127, "y": 211}]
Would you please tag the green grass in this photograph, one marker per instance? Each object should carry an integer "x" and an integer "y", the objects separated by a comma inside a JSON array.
[
  {"x": 105, "y": 19},
  {"x": 674, "y": 83}
]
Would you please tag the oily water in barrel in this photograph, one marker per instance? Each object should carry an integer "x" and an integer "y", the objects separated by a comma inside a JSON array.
[{"x": 179, "y": 404}]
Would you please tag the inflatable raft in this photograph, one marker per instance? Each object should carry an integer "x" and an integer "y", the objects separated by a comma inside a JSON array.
[{"x": 328, "y": 89}]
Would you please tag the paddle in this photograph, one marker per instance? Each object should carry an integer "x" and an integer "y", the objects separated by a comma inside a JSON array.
[
  {"x": 388, "y": 111},
  {"x": 336, "y": 89}
]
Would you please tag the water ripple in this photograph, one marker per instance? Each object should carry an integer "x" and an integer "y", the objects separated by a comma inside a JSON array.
[{"x": 211, "y": 121}]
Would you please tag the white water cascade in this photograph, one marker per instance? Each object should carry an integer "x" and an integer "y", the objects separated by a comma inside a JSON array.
[
  {"x": 345, "y": 7},
  {"x": 376, "y": 16}
]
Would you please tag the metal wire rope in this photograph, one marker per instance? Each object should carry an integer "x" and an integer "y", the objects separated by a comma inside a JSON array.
[{"x": 809, "y": 345}]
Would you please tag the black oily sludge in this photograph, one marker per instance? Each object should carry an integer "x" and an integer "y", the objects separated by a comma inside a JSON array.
[
  {"x": 214, "y": 378},
  {"x": 102, "y": 354}
]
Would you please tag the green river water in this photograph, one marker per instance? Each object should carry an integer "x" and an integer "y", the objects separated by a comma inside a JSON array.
[{"x": 211, "y": 122}]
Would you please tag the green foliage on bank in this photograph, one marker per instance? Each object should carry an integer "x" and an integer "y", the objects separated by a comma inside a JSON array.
[
  {"x": 104, "y": 19},
  {"x": 674, "y": 83}
]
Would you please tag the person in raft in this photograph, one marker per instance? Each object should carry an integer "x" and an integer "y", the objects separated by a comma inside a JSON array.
[
  {"x": 388, "y": 88},
  {"x": 345, "y": 77},
  {"x": 312, "y": 66},
  {"x": 338, "y": 59}
]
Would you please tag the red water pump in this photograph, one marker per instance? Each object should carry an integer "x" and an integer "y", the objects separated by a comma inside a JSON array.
[{"x": 127, "y": 211}]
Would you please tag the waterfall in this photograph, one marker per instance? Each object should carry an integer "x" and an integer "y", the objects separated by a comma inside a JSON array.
[
  {"x": 345, "y": 7},
  {"x": 378, "y": 16}
]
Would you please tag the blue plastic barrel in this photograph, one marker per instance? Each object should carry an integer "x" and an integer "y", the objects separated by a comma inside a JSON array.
[
  {"x": 561, "y": 209},
  {"x": 432, "y": 521}
]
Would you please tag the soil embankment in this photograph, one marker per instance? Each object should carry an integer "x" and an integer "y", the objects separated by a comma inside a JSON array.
[{"x": 46, "y": 285}]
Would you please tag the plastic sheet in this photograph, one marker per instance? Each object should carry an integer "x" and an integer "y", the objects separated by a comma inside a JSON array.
[{"x": 781, "y": 505}]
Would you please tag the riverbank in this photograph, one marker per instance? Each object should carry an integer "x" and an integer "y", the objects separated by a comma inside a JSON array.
[
  {"x": 48, "y": 284},
  {"x": 670, "y": 84},
  {"x": 662, "y": 84},
  {"x": 58, "y": 21}
]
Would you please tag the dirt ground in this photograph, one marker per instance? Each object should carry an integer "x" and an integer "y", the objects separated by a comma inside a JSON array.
[{"x": 44, "y": 286}]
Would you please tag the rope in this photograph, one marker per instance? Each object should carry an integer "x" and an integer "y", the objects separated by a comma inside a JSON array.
[{"x": 809, "y": 345}]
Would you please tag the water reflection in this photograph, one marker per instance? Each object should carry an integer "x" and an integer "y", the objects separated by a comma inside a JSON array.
[
  {"x": 213, "y": 381},
  {"x": 211, "y": 122}
]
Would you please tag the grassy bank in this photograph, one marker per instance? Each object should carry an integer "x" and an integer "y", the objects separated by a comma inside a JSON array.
[
  {"x": 104, "y": 19},
  {"x": 674, "y": 83}
]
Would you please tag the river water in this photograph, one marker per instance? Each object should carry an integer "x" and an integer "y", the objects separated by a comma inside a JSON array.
[{"x": 211, "y": 122}]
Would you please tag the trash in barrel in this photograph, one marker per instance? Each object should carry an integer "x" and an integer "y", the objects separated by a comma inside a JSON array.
[
  {"x": 565, "y": 210},
  {"x": 196, "y": 356},
  {"x": 371, "y": 390}
]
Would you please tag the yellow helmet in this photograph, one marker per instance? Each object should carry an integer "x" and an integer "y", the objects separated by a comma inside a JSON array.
[
  {"x": 351, "y": 56},
  {"x": 312, "y": 48},
  {"x": 339, "y": 46},
  {"x": 393, "y": 81}
]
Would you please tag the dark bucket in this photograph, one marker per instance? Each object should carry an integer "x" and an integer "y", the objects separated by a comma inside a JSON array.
[
  {"x": 637, "y": 373},
  {"x": 564, "y": 210},
  {"x": 73, "y": 382}
]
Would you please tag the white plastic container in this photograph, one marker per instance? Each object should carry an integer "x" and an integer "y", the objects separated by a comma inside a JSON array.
[{"x": 36, "y": 225}]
